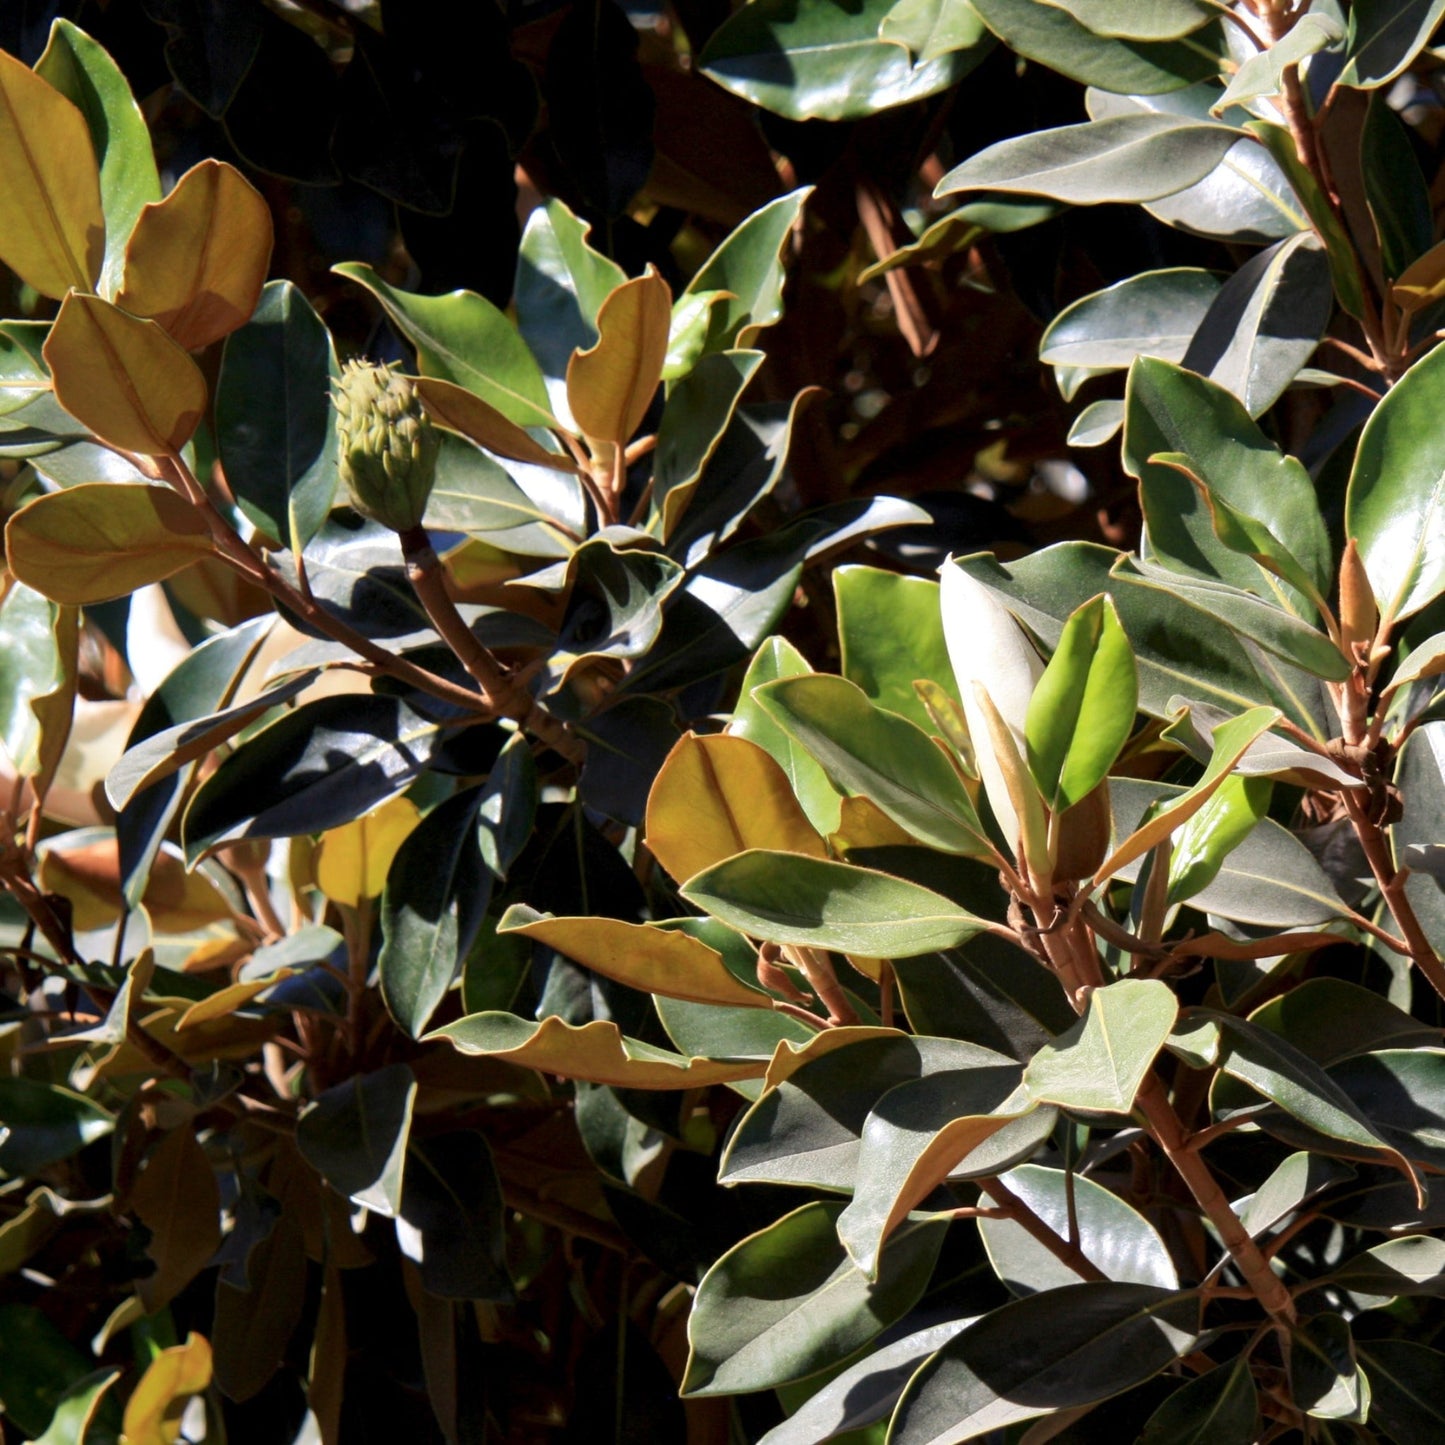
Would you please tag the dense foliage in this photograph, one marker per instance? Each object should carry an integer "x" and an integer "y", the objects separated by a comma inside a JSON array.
[{"x": 501, "y": 944}]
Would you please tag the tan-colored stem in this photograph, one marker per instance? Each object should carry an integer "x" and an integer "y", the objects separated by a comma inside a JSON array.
[
  {"x": 501, "y": 694},
  {"x": 1169, "y": 1134}
]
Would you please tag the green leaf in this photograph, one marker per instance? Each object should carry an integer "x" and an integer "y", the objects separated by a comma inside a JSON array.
[
  {"x": 808, "y": 1130},
  {"x": 1384, "y": 37},
  {"x": 806, "y": 60},
  {"x": 1171, "y": 410},
  {"x": 778, "y": 658},
  {"x": 1220, "y": 1407},
  {"x": 1116, "y": 1239},
  {"x": 461, "y": 337},
  {"x": 561, "y": 282},
  {"x": 475, "y": 494},
  {"x": 1413, "y": 1264},
  {"x": 1052, "y": 1351},
  {"x": 1213, "y": 833},
  {"x": 1262, "y": 75},
  {"x": 1420, "y": 777},
  {"x": 866, "y": 749},
  {"x": 1098, "y": 423},
  {"x": 1082, "y": 710},
  {"x": 891, "y": 633},
  {"x": 451, "y": 1220},
  {"x": 789, "y": 898},
  {"x": 84, "y": 73},
  {"x": 950, "y": 1124},
  {"x": 1405, "y": 1394},
  {"x": 275, "y": 425},
  {"x": 32, "y": 667},
  {"x": 1138, "y": 157},
  {"x": 437, "y": 891},
  {"x": 787, "y": 1302},
  {"x": 1395, "y": 189},
  {"x": 1330, "y": 1020},
  {"x": 1324, "y": 1374},
  {"x": 45, "y": 1124},
  {"x": 1138, "y": 19},
  {"x": 1402, "y": 1093},
  {"x": 1296, "y": 1179},
  {"x": 508, "y": 805},
  {"x": 1266, "y": 322},
  {"x": 928, "y": 29},
  {"x": 698, "y": 412},
  {"x": 1053, "y": 37},
  {"x": 82, "y": 1404},
  {"x": 355, "y": 1136},
  {"x": 1395, "y": 505},
  {"x": 748, "y": 267},
  {"x": 1100, "y": 1063},
  {"x": 1154, "y": 313},
  {"x": 101, "y": 540},
  {"x": 38, "y": 1366},
  {"x": 322, "y": 765}
]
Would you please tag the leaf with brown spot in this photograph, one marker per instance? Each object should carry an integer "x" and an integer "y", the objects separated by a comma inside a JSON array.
[{"x": 197, "y": 260}]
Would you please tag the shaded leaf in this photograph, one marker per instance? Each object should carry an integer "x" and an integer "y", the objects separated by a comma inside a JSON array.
[
  {"x": 45, "y": 1124},
  {"x": 1220, "y": 1407},
  {"x": 452, "y": 1218},
  {"x": 1385, "y": 36},
  {"x": 355, "y": 1136}
]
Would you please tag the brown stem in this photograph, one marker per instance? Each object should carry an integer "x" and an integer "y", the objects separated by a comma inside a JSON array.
[
  {"x": 501, "y": 693},
  {"x": 1055, "y": 1243},
  {"x": 1392, "y": 888},
  {"x": 1168, "y": 1132}
]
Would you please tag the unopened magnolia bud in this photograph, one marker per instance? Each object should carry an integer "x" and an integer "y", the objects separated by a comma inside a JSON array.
[
  {"x": 1359, "y": 617},
  {"x": 388, "y": 444}
]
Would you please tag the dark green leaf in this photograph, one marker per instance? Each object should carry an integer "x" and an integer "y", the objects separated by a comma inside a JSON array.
[
  {"x": 1218, "y": 1408},
  {"x": 451, "y": 1218},
  {"x": 1051, "y": 1351},
  {"x": 1398, "y": 197},
  {"x": 38, "y": 1365},
  {"x": 1385, "y": 36},
  {"x": 1405, "y": 1388},
  {"x": 1152, "y": 314},
  {"x": 1324, "y": 1375},
  {"x": 1420, "y": 777},
  {"x": 44, "y": 1124},
  {"x": 475, "y": 494},
  {"x": 355, "y": 1136},
  {"x": 787, "y": 1302}
]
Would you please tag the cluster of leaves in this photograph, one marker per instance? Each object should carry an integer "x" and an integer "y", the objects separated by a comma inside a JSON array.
[{"x": 400, "y": 937}]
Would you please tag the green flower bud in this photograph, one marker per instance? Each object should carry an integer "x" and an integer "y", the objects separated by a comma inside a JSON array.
[{"x": 388, "y": 444}]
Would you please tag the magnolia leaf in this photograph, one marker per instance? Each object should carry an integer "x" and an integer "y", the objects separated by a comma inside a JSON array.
[
  {"x": 355, "y": 1136},
  {"x": 610, "y": 386},
  {"x": 153, "y": 1412},
  {"x": 642, "y": 956},
  {"x": 720, "y": 795},
  {"x": 124, "y": 379},
  {"x": 1100, "y": 1063},
  {"x": 1213, "y": 833},
  {"x": 1262, "y": 74},
  {"x": 178, "y": 1200},
  {"x": 103, "y": 539},
  {"x": 1155, "y": 313},
  {"x": 54, "y": 233},
  {"x": 1220, "y": 1407},
  {"x": 462, "y": 411},
  {"x": 352, "y": 861},
  {"x": 196, "y": 261},
  {"x": 598, "y": 1052}
]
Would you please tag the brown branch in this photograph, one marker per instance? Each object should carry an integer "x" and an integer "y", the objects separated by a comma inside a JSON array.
[{"x": 1055, "y": 1243}]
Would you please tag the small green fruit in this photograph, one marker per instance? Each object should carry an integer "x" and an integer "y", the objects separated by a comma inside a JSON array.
[{"x": 388, "y": 444}]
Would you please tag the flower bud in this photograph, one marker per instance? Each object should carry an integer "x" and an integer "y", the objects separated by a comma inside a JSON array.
[{"x": 388, "y": 444}]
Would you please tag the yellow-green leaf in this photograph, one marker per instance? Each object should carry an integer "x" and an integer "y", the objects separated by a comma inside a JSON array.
[
  {"x": 196, "y": 261},
  {"x": 598, "y": 1052},
  {"x": 610, "y": 386},
  {"x": 153, "y": 1413},
  {"x": 352, "y": 860},
  {"x": 460, "y": 410},
  {"x": 654, "y": 960},
  {"x": 721, "y": 795},
  {"x": 100, "y": 540},
  {"x": 54, "y": 232},
  {"x": 122, "y": 378}
]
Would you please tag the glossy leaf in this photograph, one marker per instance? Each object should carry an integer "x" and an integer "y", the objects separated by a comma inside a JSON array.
[
  {"x": 1051, "y": 1351},
  {"x": 1262, "y": 75},
  {"x": 1395, "y": 506},
  {"x": 318, "y": 767},
  {"x": 611, "y": 385},
  {"x": 275, "y": 425},
  {"x": 462, "y": 338},
  {"x": 79, "y": 1408},
  {"x": 1325, "y": 1376},
  {"x": 82, "y": 72},
  {"x": 1413, "y": 1264},
  {"x": 928, "y": 29},
  {"x": 1053, "y": 37},
  {"x": 32, "y": 667},
  {"x": 508, "y": 806},
  {"x": 103, "y": 539},
  {"x": 643, "y": 957},
  {"x": 787, "y": 1302},
  {"x": 55, "y": 235},
  {"x": 598, "y": 1052},
  {"x": 1155, "y": 313},
  {"x": 1265, "y": 322},
  {"x": 868, "y": 750},
  {"x": 45, "y": 1124},
  {"x": 122, "y": 378},
  {"x": 1294, "y": 1182},
  {"x": 1138, "y": 157},
  {"x": 1138, "y": 19},
  {"x": 1082, "y": 709},
  {"x": 1385, "y": 36},
  {"x": 778, "y": 658},
  {"x": 1118, "y": 1241},
  {"x": 1204, "y": 843},
  {"x": 463, "y": 411},
  {"x": 1404, "y": 1387},
  {"x": 196, "y": 261},
  {"x": 793, "y": 899},
  {"x": 1100, "y": 1063},
  {"x": 355, "y": 1136},
  {"x": 720, "y": 795},
  {"x": 1220, "y": 1407},
  {"x": 804, "y": 60}
]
